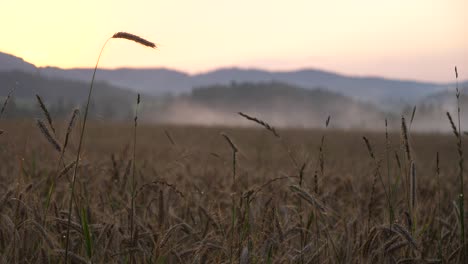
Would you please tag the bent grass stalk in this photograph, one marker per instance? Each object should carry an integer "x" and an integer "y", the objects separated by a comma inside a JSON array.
[
  {"x": 234, "y": 185},
  {"x": 234, "y": 156},
  {"x": 123, "y": 35},
  {"x": 276, "y": 134}
]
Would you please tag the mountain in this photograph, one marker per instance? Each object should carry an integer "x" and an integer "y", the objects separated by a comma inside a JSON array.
[
  {"x": 10, "y": 63},
  {"x": 385, "y": 92},
  {"x": 158, "y": 81},
  {"x": 295, "y": 98},
  {"x": 63, "y": 95},
  {"x": 389, "y": 94},
  {"x": 278, "y": 103},
  {"x": 149, "y": 81}
]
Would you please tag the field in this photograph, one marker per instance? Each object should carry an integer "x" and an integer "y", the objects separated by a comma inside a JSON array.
[{"x": 228, "y": 195}]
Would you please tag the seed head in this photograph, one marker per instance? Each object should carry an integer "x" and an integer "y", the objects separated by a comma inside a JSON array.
[{"x": 137, "y": 39}]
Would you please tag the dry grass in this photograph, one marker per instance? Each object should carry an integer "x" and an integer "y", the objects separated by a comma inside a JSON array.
[
  {"x": 185, "y": 210},
  {"x": 118, "y": 35},
  {"x": 137, "y": 39}
]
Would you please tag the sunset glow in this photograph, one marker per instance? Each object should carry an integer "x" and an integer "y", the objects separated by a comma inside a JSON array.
[{"x": 399, "y": 39}]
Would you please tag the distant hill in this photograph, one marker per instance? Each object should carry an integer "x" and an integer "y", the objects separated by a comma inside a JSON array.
[
  {"x": 10, "y": 63},
  {"x": 386, "y": 92},
  {"x": 389, "y": 94},
  {"x": 63, "y": 95},
  {"x": 276, "y": 102},
  {"x": 149, "y": 81},
  {"x": 279, "y": 103}
]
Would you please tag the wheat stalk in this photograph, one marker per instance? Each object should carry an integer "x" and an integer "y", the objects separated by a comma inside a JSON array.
[
  {"x": 132, "y": 37},
  {"x": 6, "y": 102},
  {"x": 234, "y": 156},
  {"x": 320, "y": 160},
  {"x": 50, "y": 138},
  {"x": 270, "y": 181},
  {"x": 369, "y": 148},
  {"x": 46, "y": 112},
  {"x": 412, "y": 117},
  {"x": 389, "y": 181},
  {"x": 132, "y": 209},
  {"x": 454, "y": 128},
  {"x": 276, "y": 134},
  {"x": 262, "y": 123},
  {"x": 168, "y": 135},
  {"x": 409, "y": 160},
  {"x": 315, "y": 202},
  {"x": 439, "y": 205},
  {"x": 377, "y": 173},
  {"x": 461, "y": 196},
  {"x": 161, "y": 182},
  {"x": 118, "y": 35},
  {"x": 405, "y": 137},
  {"x": 71, "y": 123},
  {"x": 67, "y": 168},
  {"x": 413, "y": 186}
]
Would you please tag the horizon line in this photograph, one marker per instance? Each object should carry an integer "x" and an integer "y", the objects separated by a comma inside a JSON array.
[
  {"x": 255, "y": 68},
  {"x": 248, "y": 68}
]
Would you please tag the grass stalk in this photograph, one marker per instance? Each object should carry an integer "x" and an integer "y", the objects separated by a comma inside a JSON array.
[
  {"x": 66, "y": 168},
  {"x": 439, "y": 208},
  {"x": 5, "y": 103},
  {"x": 123, "y": 35},
  {"x": 389, "y": 181},
  {"x": 133, "y": 188},
  {"x": 235, "y": 150},
  {"x": 461, "y": 196},
  {"x": 379, "y": 175}
]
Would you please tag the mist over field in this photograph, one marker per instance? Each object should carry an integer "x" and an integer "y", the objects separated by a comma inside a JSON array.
[
  {"x": 303, "y": 98},
  {"x": 286, "y": 106}
]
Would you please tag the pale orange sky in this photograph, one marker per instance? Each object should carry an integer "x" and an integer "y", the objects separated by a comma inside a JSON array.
[{"x": 409, "y": 39}]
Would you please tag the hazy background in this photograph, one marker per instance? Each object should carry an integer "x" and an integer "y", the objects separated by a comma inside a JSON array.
[{"x": 292, "y": 63}]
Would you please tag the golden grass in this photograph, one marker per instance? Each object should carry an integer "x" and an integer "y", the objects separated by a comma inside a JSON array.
[{"x": 184, "y": 203}]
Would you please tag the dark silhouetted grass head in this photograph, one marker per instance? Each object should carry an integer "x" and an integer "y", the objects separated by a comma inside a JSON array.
[{"x": 137, "y": 39}]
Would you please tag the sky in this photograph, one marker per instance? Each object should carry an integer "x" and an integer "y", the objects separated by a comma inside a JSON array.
[{"x": 416, "y": 39}]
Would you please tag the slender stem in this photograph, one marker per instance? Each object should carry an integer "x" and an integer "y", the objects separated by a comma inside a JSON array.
[
  {"x": 389, "y": 181},
  {"x": 439, "y": 210},
  {"x": 132, "y": 210},
  {"x": 461, "y": 196},
  {"x": 80, "y": 144}
]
